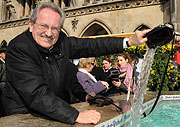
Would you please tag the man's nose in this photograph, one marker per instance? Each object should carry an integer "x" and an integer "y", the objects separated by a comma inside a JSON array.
[{"x": 49, "y": 32}]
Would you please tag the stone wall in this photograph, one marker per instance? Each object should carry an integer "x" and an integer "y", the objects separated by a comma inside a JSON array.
[
  {"x": 116, "y": 21},
  {"x": 113, "y": 17}
]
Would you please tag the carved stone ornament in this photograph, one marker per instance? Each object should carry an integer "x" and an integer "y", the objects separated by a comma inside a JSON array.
[
  {"x": 15, "y": 23},
  {"x": 116, "y": 5},
  {"x": 74, "y": 23},
  {"x": 86, "y": 10},
  {"x": 12, "y": 9}
]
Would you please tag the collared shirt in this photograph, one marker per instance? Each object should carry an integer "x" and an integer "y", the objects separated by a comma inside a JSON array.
[
  {"x": 108, "y": 69},
  {"x": 2, "y": 60},
  {"x": 125, "y": 43}
]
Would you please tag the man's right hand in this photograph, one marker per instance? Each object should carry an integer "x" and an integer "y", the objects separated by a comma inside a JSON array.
[
  {"x": 88, "y": 116},
  {"x": 138, "y": 38}
]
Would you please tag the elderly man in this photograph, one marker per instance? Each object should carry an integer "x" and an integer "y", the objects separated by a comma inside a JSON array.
[{"x": 37, "y": 66}]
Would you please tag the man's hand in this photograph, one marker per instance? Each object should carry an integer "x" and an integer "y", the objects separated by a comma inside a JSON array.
[
  {"x": 88, "y": 116},
  {"x": 138, "y": 38}
]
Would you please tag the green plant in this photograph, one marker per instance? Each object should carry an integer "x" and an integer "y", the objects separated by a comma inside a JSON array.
[
  {"x": 141, "y": 50},
  {"x": 158, "y": 68}
]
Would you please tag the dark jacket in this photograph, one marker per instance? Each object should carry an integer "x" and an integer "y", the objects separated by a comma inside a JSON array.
[
  {"x": 74, "y": 91},
  {"x": 2, "y": 84},
  {"x": 98, "y": 73},
  {"x": 112, "y": 88},
  {"x": 37, "y": 77},
  {"x": 2, "y": 75}
]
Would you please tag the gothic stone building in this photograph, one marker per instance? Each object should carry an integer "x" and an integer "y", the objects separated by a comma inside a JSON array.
[{"x": 92, "y": 17}]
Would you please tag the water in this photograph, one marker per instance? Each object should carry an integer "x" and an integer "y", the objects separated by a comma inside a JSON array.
[
  {"x": 136, "y": 112},
  {"x": 166, "y": 114}
]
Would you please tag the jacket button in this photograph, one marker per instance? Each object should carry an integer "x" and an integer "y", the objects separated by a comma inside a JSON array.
[{"x": 46, "y": 57}]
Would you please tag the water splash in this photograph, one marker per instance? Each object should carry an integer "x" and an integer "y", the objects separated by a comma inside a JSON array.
[{"x": 136, "y": 109}]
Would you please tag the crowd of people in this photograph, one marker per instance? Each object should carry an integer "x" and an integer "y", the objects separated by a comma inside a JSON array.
[
  {"x": 40, "y": 79},
  {"x": 115, "y": 80}
]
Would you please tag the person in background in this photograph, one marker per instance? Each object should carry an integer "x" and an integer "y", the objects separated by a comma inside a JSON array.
[
  {"x": 73, "y": 91},
  {"x": 98, "y": 72},
  {"x": 37, "y": 65},
  {"x": 177, "y": 55},
  {"x": 86, "y": 79},
  {"x": 3, "y": 47},
  {"x": 134, "y": 66},
  {"x": 112, "y": 90},
  {"x": 125, "y": 67},
  {"x": 134, "y": 58},
  {"x": 107, "y": 66},
  {"x": 114, "y": 64}
]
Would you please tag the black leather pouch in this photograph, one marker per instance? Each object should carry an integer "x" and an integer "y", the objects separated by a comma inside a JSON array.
[
  {"x": 160, "y": 35},
  {"x": 99, "y": 100}
]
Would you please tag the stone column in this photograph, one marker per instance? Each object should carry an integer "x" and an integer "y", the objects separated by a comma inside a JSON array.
[
  {"x": 27, "y": 9},
  {"x": 1, "y": 10},
  {"x": 21, "y": 10},
  {"x": 76, "y": 3},
  {"x": 85, "y": 2},
  {"x": 56, "y": 2},
  {"x": 175, "y": 15}
]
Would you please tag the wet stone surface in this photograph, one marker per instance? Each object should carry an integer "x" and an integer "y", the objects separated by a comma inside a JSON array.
[{"x": 107, "y": 113}]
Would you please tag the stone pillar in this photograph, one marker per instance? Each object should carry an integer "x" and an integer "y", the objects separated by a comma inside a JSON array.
[
  {"x": 56, "y": 2},
  {"x": 21, "y": 10},
  {"x": 1, "y": 10},
  {"x": 27, "y": 8},
  {"x": 175, "y": 15},
  {"x": 85, "y": 2},
  {"x": 76, "y": 3}
]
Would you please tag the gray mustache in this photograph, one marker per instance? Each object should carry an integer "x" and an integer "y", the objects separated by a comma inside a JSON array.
[{"x": 47, "y": 37}]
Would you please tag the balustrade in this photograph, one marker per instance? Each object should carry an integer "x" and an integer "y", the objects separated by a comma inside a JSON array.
[
  {"x": 10, "y": 13},
  {"x": 79, "y": 3}
]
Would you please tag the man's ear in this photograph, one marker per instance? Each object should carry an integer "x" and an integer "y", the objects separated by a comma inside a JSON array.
[{"x": 30, "y": 26}]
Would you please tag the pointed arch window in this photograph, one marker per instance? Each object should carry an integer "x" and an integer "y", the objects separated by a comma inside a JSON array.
[{"x": 95, "y": 30}]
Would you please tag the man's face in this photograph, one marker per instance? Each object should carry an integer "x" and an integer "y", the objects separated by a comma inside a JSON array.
[
  {"x": 2, "y": 55},
  {"x": 45, "y": 30},
  {"x": 106, "y": 64}
]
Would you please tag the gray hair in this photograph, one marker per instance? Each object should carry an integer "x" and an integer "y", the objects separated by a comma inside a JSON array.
[{"x": 50, "y": 5}]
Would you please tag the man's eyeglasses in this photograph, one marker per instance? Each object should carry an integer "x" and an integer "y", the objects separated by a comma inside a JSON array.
[{"x": 45, "y": 27}]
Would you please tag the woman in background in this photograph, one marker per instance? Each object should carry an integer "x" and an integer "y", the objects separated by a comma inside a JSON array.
[
  {"x": 87, "y": 80},
  {"x": 126, "y": 72}
]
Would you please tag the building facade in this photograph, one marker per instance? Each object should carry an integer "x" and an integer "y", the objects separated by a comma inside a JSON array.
[{"x": 92, "y": 17}]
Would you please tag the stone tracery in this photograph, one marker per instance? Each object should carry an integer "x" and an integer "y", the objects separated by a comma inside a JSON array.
[{"x": 97, "y": 8}]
